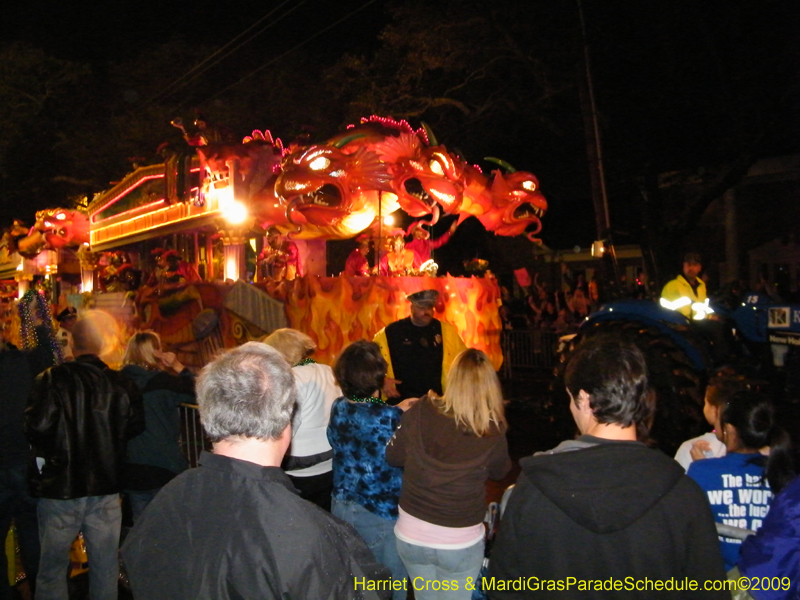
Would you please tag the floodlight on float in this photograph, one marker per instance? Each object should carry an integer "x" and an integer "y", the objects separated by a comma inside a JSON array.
[{"x": 232, "y": 210}]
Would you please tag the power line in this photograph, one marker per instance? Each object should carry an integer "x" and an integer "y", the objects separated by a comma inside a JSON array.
[
  {"x": 289, "y": 51},
  {"x": 203, "y": 65}
]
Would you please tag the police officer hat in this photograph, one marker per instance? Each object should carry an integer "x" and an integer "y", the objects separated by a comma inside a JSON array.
[
  {"x": 424, "y": 299},
  {"x": 67, "y": 313}
]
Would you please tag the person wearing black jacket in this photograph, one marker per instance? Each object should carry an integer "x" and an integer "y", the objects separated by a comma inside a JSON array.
[
  {"x": 155, "y": 456},
  {"x": 16, "y": 504},
  {"x": 79, "y": 418},
  {"x": 605, "y": 509}
]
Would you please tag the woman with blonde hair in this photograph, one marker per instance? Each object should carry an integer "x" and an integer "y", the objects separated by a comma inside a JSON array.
[
  {"x": 448, "y": 447},
  {"x": 155, "y": 456},
  {"x": 309, "y": 459}
]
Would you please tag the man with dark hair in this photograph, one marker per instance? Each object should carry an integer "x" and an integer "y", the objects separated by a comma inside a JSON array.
[
  {"x": 605, "y": 509},
  {"x": 687, "y": 292},
  {"x": 235, "y": 527},
  {"x": 280, "y": 258}
]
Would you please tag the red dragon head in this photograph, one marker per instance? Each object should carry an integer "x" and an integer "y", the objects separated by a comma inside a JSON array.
[
  {"x": 516, "y": 204},
  {"x": 424, "y": 178},
  {"x": 326, "y": 184},
  {"x": 55, "y": 228}
]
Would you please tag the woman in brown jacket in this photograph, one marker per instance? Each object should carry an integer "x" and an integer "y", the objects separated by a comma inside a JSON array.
[{"x": 448, "y": 447}]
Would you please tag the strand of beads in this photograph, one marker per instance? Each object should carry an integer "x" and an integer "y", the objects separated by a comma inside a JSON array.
[
  {"x": 27, "y": 327},
  {"x": 371, "y": 399}
]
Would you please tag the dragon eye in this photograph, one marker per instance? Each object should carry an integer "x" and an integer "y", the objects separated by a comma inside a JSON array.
[
  {"x": 320, "y": 163},
  {"x": 436, "y": 167},
  {"x": 529, "y": 185}
]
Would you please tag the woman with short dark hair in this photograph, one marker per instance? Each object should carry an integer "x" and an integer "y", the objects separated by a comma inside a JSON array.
[{"x": 365, "y": 486}]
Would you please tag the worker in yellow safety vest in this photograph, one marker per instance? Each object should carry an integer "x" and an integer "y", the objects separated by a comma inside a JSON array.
[{"x": 687, "y": 292}]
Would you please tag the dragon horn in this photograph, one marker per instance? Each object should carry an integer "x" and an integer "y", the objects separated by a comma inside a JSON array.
[
  {"x": 500, "y": 162},
  {"x": 348, "y": 138},
  {"x": 432, "y": 141}
]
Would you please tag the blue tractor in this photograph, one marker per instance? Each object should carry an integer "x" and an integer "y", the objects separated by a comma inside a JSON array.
[{"x": 681, "y": 356}]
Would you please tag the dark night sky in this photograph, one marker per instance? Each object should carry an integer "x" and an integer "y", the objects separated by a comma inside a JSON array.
[
  {"x": 114, "y": 30},
  {"x": 641, "y": 120}
]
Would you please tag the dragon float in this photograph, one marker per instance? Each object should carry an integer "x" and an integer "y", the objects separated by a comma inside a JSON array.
[
  {"x": 53, "y": 229},
  {"x": 336, "y": 189}
]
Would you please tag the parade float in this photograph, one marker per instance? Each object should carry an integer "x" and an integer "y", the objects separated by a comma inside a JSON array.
[
  {"x": 180, "y": 246},
  {"x": 45, "y": 253}
]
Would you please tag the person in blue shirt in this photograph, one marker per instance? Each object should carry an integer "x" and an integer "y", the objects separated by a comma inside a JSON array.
[
  {"x": 740, "y": 485},
  {"x": 365, "y": 487}
]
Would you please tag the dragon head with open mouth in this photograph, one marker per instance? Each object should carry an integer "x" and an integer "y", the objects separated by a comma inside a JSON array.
[
  {"x": 426, "y": 178},
  {"x": 328, "y": 186},
  {"x": 517, "y": 204}
]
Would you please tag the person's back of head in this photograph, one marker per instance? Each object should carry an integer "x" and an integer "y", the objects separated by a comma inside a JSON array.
[
  {"x": 360, "y": 370},
  {"x": 247, "y": 392},
  {"x": 292, "y": 344},
  {"x": 614, "y": 375},
  {"x": 723, "y": 386},
  {"x": 142, "y": 350},
  {"x": 473, "y": 394},
  {"x": 96, "y": 332},
  {"x": 752, "y": 415},
  {"x": 86, "y": 338}
]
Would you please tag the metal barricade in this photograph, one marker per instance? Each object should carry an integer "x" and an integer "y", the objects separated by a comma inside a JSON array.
[
  {"x": 193, "y": 438},
  {"x": 527, "y": 350}
]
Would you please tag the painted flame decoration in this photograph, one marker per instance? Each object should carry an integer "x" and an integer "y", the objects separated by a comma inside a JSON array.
[{"x": 336, "y": 311}]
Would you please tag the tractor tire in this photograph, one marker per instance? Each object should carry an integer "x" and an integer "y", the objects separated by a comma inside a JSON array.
[{"x": 678, "y": 387}]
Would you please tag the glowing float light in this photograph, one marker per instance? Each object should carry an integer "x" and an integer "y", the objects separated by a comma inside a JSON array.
[
  {"x": 232, "y": 210},
  {"x": 358, "y": 221},
  {"x": 388, "y": 220},
  {"x": 87, "y": 280},
  {"x": 232, "y": 269}
]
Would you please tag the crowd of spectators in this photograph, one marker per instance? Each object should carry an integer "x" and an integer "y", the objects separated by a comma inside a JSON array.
[
  {"x": 540, "y": 307},
  {"x": 409, "y": 478}
]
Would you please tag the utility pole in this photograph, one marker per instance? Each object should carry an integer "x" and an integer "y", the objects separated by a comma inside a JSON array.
[{"x": 594, "y": 148}]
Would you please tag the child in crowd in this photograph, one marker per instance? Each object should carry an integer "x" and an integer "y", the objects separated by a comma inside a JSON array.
[
  {"x": 721, "y": 387},
  {"x": 741, "y": 484}
]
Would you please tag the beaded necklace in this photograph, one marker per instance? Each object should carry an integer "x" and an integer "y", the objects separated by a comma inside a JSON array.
[
  {"x": 306, "y": 361},
  {"x": 370, "y": 399},
  {"x": 27, "y": 328}
]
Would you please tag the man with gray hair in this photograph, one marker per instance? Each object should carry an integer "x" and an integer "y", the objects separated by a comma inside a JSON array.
[{"x": 235, "y": 527}]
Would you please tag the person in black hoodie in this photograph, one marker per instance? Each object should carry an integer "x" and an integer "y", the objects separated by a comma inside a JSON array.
[{"x": 604, "y": 511}]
